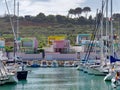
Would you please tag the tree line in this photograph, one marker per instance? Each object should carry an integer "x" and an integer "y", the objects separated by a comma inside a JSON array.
[
  {"x": 78, "y": 11},
  {"x": 74, "y": 17},
  {"x": 60, "y": 19}
]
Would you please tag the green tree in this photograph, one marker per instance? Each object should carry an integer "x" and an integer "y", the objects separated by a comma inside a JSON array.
[
  {"x": 78, "y": 11},
  {"x": 28, "y": 17},
  {"x": 61, "y": 19},
  {"x": 86, "y": 10},
  {"x": 71, "y": 12},
  {"x": 40, "y": 17},
  {"x": 8, "y": 49},
  {"x": 51, "y": 19},
  {"x": 116, "y": 16}
]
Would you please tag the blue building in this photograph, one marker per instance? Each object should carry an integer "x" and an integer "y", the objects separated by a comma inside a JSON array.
[
  {"x": 2, "y": 44},
  {"x": 83, "y": 39}
]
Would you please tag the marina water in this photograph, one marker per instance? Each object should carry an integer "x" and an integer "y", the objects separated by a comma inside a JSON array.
[{"x": 62, "y": 78}]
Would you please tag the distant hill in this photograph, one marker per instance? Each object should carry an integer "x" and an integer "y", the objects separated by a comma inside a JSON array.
[{"x": 42, "y": 26}]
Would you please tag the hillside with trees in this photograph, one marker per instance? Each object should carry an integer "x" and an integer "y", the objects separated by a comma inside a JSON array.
[{"x": 42, "y": 26}]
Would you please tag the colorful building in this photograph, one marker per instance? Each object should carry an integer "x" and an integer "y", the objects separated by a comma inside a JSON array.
[
  {"x": 28, "y": 45},
  {"x": 83, "y": 39},
  {"x": 2, "y": 44},
  {"x": 62, "y": 46},
  {"x": 51, "y": 39}
]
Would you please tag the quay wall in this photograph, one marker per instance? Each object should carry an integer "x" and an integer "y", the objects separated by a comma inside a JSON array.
[{"x": 48, "y": 56}]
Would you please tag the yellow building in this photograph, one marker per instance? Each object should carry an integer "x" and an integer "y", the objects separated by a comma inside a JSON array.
[{"x": 53, "y": 38}]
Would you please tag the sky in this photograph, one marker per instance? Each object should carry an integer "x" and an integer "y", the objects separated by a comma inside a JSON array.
[{"x": 54, "y": 7}]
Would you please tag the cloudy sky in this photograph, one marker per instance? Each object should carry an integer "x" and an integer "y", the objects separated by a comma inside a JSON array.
[{"x": 34, "y": 7}]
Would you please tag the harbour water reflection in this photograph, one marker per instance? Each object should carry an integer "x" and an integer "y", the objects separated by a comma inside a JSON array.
[{"x": 60, "y": 79}]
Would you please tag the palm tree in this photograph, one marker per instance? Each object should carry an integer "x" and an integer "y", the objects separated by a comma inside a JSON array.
[
  {"x": 116, "y": 16},
  {"x": 78, "y": 11},
  {"x": 71, "y": 12},
  {"x": 86, "y": 10}
]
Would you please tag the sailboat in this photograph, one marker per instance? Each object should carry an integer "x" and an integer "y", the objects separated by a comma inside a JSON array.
[
  {"x": 112, "y": 71},
  {"x": 112, "y": 68},
  {"x": 84, "y": 64},
  {"x": 101, "y": 68},
  {"x": 114, "y": 74},
  {"x": 5, "y": 75},
  {"x": 21, "y": 72},
  {"x": 116, "y": 79}
]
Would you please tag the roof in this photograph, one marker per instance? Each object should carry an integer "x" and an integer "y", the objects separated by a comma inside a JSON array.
[{"x": 84, "y": 34}]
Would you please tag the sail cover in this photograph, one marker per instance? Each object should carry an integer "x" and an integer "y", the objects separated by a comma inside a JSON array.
[{"x": 113, "y": 59}]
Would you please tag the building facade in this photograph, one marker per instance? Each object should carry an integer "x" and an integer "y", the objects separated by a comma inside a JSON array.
[
  {"x": 62, "y": 46},
  {"x": 28, "y": 45}
]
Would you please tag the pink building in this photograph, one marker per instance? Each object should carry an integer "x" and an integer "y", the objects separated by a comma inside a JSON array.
[{"x": 62, "y": 46}]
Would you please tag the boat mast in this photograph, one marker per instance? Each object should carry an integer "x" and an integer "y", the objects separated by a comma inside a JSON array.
[
  {"x": 17, "y": 19},
  {"x": 111, "y": 29},
  {"x": 101, "y": 33},
  {"x": 106, "y": 17},
  {"x": 96, "y": 21},
  {"x": 106, "y": 22},
  {"x": 106, "y": 40},
  {"x": 17, "y": 32},
  {"x": 15, "y": 38},
  {"x": 11, "y": 22}
]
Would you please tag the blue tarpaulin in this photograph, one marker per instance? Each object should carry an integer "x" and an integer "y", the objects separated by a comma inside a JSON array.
[{"x": 113, "y": 59}]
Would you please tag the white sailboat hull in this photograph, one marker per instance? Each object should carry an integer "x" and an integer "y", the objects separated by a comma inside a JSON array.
[
  {"x": 12, "y": 78},
  {"x": 80, "y": 67},
  {"x": 86, "y": 69},
  {"x": 97, "y": 70},
  {"x": 115, "y": 82},
  {"x": 109, "y": 76}
]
